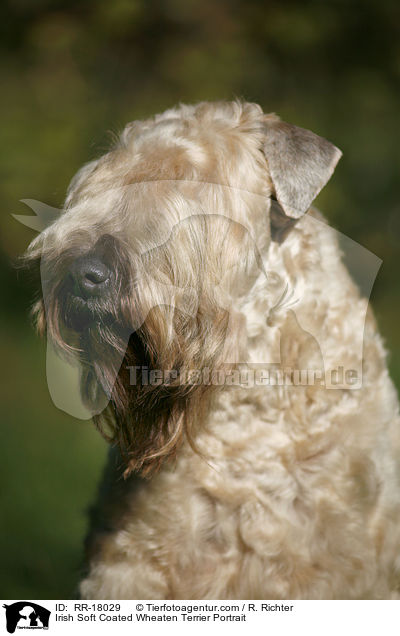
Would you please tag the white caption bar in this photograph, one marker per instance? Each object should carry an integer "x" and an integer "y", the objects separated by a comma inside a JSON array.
[{"x": 176, "y": 617}]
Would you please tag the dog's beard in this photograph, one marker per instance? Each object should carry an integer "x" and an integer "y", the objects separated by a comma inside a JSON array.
[
  {"x": 146, "y": 421},
  {"x": 150, "y": 421}
]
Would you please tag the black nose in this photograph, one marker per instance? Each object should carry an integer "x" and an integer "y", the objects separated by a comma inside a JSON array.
[{"x": 91, "y": 277}]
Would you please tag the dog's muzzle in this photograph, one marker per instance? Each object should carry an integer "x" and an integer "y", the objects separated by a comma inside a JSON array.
[
  {"x": 91, "y": 286},
  {"x": 91, "y": 277}
]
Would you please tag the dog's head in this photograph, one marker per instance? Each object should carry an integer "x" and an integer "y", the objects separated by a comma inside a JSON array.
[{"x": 155, "y": 254}]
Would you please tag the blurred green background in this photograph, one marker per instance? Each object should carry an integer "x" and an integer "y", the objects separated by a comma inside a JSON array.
[{"x": 72, "y": 74}]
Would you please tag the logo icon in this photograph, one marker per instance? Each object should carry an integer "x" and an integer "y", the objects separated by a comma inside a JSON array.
[{"x": 26, "y": 615}]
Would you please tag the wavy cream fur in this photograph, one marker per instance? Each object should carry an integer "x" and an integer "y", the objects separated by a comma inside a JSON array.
[{"x": 290, "y": 492}]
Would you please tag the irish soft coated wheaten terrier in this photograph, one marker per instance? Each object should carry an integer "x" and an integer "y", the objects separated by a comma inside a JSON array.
[{"x": 255, "y": 443}]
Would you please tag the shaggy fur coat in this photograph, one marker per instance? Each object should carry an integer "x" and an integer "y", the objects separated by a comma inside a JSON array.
[{"x": 280, "y": 491}]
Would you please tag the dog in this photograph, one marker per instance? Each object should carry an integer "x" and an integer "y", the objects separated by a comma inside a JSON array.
[{"x": 187, "y": 260}]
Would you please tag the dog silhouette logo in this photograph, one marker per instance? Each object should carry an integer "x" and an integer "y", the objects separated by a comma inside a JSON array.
[{"x": 26, "y": 615}]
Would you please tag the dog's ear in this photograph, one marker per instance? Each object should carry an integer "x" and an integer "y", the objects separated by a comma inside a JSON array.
[{"x": 300, "y": 164}]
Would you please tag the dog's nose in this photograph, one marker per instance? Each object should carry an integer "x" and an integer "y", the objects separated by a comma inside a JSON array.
[{"x": 91, "y": 277}]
